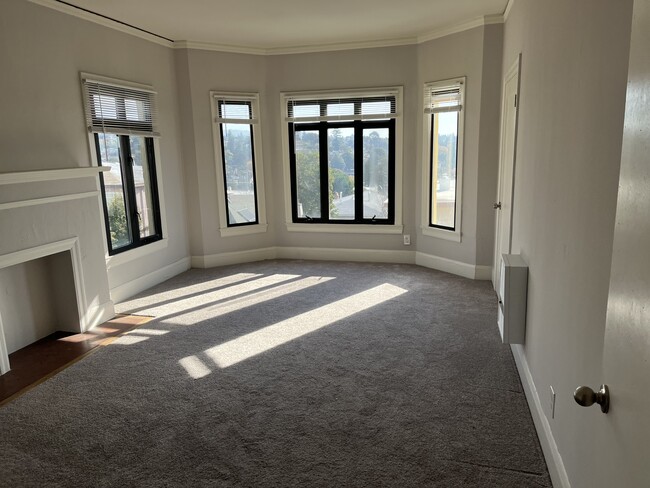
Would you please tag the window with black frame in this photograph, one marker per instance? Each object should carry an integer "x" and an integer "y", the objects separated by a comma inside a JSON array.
[
  {"x": 236, "y": 136},
  {"x": 123, "y": 123},
  {"x": 444, "y": 117},
  {"x": 342, "y": 159}
]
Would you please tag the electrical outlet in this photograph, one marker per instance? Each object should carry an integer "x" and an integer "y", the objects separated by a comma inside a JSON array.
[
  {"x": 552, "y": 402},
  {"x": 407, "y": 239}
]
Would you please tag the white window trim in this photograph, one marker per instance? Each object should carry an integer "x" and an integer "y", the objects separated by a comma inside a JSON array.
[
  {"x": 148, "y": 249},
  {"x": 262, "y": 225},
  {"x": 397, "y": 227},
  {"x": 427, "y": 230}
]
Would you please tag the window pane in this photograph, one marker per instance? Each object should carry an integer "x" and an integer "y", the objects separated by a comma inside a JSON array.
[
  {"x": 340, "y": 109},
  {"x": 306, "y": 110},
  {"x": 142, "y": 183},
  {"x": 307, "y": 148},
  {"x": 239, "y": 174},
  {"x": 443, "y": 169},
  {"x": 109, "y": 154},
  {"x": 105, "y": 107},
  {"x": 375, "y": 173},
  {"x": 135, "y": 110},
  {"x": 375, "y": 108},
  {"x": 340, "y": 152},
  {"x": 231, "y": 110}
]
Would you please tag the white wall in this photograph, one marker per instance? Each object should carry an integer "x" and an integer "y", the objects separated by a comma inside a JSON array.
[
  {"x": 475, "y": 54},
  {"x": 42, "y": 52},
  {"x": 572, "y": 96},
  {"x": 359, "y": 68},
  {"x": 43, "y": 127},
  {"x": 199, "y": 72}
]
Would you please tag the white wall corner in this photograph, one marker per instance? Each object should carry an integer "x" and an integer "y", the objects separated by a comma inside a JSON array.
[
  {"x": 358, "y": 255},
  {"x": 482, "y": 272},
  {"x": 130, "y": 288},
  {"x": 552, "y": 455},
  {"x": 236, "y": 257},
  {"x": 506, "y": 12}
]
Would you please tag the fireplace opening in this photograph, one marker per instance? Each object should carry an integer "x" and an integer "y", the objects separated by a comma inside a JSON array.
[{"x": 37, "y": 298}]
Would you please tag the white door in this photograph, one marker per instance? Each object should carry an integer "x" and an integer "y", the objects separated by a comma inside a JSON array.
[
  {"x": 503, "y": 204},
  {"x": 623, "y": 435}
]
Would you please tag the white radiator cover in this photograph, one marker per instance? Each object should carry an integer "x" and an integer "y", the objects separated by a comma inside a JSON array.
[{"x": 512, "y": 295}]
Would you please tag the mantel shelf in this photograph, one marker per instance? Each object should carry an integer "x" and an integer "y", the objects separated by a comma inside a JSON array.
[{"x": 50, "y": 174}]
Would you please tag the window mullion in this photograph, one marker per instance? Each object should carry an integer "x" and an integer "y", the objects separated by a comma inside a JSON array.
[
  {"x": 129, "y": 182},
  {"x": 253, "y": 168},
  {"x": 293, "y": 170},
  {"x": 324, "y": 173},
  {"x": 391, "y": 171},
  {"x": 155, "y": 196}
]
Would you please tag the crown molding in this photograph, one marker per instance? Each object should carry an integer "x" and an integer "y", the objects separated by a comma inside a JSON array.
[
  {"x": 261, "y": 51},
  {"x": 506, "y": 12},
  {"x": 343, "y": 46},
  {"x": 224, "y": 48},
  {"x": 104, "y": 21},
  {"x": 463, "y": 26}
]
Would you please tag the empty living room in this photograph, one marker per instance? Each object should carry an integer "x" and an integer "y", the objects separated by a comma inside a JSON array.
[{"x": 329, "y": 244}]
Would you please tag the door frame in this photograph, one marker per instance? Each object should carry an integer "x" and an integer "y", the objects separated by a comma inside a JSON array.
[{"x": 514, "y": 71}]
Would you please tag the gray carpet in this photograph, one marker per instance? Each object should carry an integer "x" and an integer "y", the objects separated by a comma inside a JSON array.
[{"x": 287, "y": 373}]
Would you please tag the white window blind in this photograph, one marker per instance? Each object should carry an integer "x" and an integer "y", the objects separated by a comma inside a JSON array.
[
  {"x": 438, "y": 99},
  {"x": 236, "y": 109},
  {"x": 372, "y": 106},
  {"x": 115, "y": 109}
]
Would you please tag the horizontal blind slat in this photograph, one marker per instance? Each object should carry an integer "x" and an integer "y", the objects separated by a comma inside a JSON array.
[
  {"x": 371, "y": 107},
  {"x": 117, "y": 109}
]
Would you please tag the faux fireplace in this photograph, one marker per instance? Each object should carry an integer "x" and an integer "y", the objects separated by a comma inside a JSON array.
[{"x": 52, "y": 253}]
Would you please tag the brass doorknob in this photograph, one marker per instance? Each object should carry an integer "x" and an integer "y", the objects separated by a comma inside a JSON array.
[{"x": 586, "y": 397}]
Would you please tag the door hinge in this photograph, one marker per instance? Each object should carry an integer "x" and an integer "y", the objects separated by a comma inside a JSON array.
[{"x": 515, "y": 100}]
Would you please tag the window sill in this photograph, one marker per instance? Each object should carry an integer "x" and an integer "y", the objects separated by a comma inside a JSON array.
[
  {"x": 346, "y": 228},
  {"x": 243, "y": 230},
  {"x": 137, "y": 253},
  {"x": 448, "y": 235}
]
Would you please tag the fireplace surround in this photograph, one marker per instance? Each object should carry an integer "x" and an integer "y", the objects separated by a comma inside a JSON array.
[{"x": 46, "y": 212}]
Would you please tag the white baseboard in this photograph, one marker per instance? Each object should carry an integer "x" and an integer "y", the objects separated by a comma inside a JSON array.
[
  {"x": 127, "y": 290},
  {"x": 359, "y": 255},
  {"x": 475, "y": 272},
  {"x": 471, "y": 271},
  {"x": 236, "y": 257},
  {"x": 552, "y": 455}
]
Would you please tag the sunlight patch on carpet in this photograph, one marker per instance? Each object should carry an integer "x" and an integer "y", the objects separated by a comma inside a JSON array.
[
  {"x": 194, "y": 367},
  {"x": 272, "y": 336},
  {"x": 205, "y": 300},
  {"x": 238, "y": 303}
]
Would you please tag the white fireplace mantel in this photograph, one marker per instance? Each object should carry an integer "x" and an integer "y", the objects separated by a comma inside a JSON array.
[
  {"x": 50, "y": 174},
  {"x": 38, "y": 220}
]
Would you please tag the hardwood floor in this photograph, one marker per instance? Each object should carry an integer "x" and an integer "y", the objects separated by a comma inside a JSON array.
[{"x": 39, "y": 361}]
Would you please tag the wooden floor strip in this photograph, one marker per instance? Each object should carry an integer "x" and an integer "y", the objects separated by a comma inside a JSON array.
[{"x": 37, "y": 362}]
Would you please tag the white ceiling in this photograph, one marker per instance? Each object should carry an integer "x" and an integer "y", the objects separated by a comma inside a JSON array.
[{"x": 274, "y": 24}]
